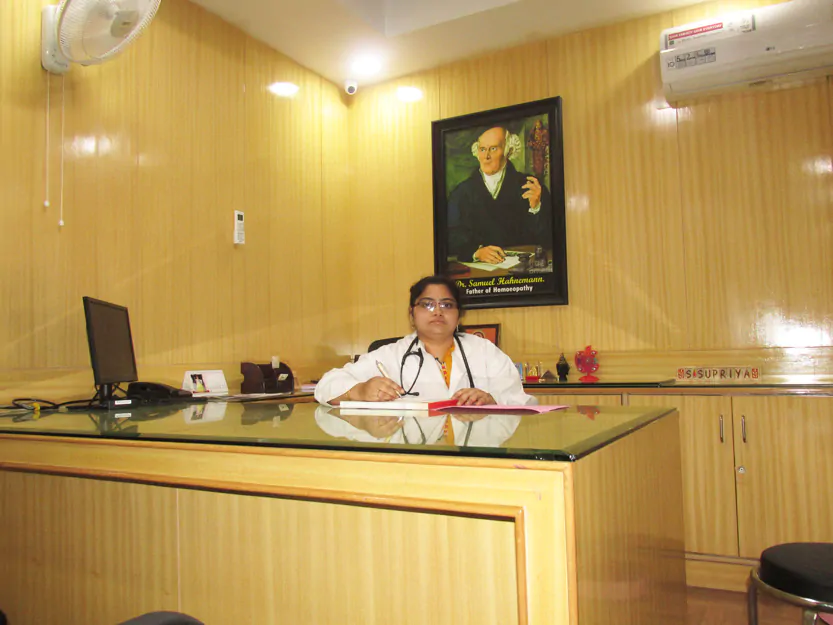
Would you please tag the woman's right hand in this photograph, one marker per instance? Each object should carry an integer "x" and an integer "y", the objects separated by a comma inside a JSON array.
[{"x": 375, "y": 389}]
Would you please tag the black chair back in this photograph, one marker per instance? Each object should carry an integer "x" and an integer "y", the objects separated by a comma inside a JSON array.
[{"x": 380, "y": 342}]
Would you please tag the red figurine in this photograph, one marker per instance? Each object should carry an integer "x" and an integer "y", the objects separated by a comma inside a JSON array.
[{"x": 588, "y": 363}]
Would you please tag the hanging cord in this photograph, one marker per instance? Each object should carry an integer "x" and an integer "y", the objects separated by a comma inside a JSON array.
[
  {"x": 63, "y": 109},
  {"x": 48, "y": 107}
]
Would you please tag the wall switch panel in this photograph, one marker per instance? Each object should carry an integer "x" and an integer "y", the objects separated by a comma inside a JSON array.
[{"x": 239, "y": 228}]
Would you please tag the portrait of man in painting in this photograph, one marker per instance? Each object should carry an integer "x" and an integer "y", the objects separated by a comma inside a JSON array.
[
  {"x": 500, "y": 204},
  {"x": 497, "y": 211}
]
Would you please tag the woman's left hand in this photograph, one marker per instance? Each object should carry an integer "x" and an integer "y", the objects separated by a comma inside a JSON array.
[{"x": 473, "y": 397}]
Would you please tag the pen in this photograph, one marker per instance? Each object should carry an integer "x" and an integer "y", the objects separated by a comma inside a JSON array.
[{"x": 384, "y": 372}]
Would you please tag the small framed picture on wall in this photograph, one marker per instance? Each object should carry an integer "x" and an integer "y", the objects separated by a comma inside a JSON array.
[{"x": 489, "y": 331}]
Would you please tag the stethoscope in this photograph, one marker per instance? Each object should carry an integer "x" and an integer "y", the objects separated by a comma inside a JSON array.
[{"x": 418, "y": 353}]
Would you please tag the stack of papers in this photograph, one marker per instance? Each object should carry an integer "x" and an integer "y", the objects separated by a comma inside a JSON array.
[
  {"x": 431, "y": 407},
  {"x": 401, "y": 404}
]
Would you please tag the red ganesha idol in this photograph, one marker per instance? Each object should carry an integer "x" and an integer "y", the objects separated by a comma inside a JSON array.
[{"x": 587, "y": 362}]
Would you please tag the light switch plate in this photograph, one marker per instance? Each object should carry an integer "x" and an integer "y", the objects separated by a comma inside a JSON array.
[{"x": 239, "y": 228}]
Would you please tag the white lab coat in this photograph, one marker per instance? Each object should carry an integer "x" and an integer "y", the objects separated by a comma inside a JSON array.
[{"x": 491, "y": 369}]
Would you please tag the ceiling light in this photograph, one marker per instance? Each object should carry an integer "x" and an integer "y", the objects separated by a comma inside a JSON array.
[
  {"x": 283, "y": 89},
  {"x": 409, "y": 94},
  {"x": 366, "y": 65}
]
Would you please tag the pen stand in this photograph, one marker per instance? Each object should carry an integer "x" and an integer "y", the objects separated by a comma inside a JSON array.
[{"x": 266, "y": 379}]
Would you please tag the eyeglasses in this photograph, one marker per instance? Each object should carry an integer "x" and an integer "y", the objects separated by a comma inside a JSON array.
[{"x": 431, "y": 304}]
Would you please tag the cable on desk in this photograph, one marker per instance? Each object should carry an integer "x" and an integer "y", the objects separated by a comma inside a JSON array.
[{"x": 25, "y": 405}]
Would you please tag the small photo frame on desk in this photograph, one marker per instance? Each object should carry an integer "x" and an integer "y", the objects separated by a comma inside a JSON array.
[
  {"x": 206, "y": 383},
  {"x": 488, "y": 331}
]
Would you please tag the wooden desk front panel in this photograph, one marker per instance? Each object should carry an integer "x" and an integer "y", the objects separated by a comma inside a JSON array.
[
  {"x": 467, "y": 544},
  {"x": 85, "y": 552},
  {"x": 273, "y": 561},
  {"x": 629, "y": 530}
]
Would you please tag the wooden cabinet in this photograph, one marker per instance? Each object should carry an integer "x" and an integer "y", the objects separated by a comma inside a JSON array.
[
  {"x": 784, "y": 470},
  {"x": 757, "y": 471},
  {"x": 763, "y": 479},
  {"x": 580, "y": 400},
  {"x": 708, "y": 470}
]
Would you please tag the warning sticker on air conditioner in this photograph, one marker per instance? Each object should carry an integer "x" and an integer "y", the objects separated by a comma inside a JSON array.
[
  {"x": 690, "y": 59},
  {"x": 741, "y": 23}
]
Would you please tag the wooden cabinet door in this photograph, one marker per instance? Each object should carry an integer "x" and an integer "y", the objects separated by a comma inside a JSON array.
[
  {"x": 784, "y": 475},
  {"x": 708, "y": 470}
]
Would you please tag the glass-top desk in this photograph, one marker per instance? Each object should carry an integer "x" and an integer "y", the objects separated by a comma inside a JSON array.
[
  {"x": 563, "y": 435},
  {"x": 231, "y": 512}
]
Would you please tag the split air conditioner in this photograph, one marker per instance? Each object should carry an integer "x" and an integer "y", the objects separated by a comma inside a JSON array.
[{"x": 776, "y": 45}]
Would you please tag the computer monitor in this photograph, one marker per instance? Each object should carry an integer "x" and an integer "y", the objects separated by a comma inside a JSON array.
[{"x": 111, "y": 346}]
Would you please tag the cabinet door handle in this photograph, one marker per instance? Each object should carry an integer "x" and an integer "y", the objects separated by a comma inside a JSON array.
[
  {"x": 743, "y": 427},
  {"x": 721, "y": 429}
]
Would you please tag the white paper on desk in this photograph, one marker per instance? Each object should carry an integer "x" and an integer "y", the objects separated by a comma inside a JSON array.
[
  {"x": 497, "y": 408},
  {"x": 510, "y": 261},
  {"x": 253, "y": 397}
]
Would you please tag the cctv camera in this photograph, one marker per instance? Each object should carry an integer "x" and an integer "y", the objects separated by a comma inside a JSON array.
[{"x": 351, "y": 86}]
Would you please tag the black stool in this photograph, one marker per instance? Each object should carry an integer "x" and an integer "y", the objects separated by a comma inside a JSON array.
[
  {"x": 798, "y": 573},
  {"x": 163, "y": 618}
]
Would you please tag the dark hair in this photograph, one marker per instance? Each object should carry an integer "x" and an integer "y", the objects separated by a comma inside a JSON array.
[{"x": 456, "y": 294}]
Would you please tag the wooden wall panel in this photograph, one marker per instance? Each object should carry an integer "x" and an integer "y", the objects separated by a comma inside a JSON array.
[
  {"x": 337, "y": 227},
  {"x": 391, "y": 202},
  {"x": 190, "y": 121},
  {"x": 501, "y": 78},
  {"x": 161, "y": 145},
  {"x": 702, "y": 228},
  {"x": 283, "y": 198},
  {"x": 757, "y": 215},
  {"x": 655, "y": 195},
  {"x": 22, "y": 141},
  {"x": 624, "y": 238}
]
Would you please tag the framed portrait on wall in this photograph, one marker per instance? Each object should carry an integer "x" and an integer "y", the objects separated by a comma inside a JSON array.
[
  {"x": 499, "y": 223},
  {"x": 488, "y": 331}
]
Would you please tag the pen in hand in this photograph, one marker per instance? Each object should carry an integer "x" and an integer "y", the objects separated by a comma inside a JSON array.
[{"x": 384, "y": 373}]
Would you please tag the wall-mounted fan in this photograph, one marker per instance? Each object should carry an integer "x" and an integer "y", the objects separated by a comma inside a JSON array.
[
  {"x": 91, "y": 31},
  {"x": 85, "y": 32}
]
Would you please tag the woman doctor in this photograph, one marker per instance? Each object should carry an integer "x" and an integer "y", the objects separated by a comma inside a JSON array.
[{"x": 434, "y": 362}]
